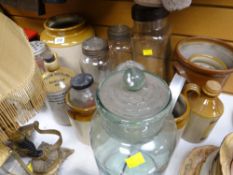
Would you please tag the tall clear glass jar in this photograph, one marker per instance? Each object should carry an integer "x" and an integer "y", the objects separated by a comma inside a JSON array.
[
  {"x": 132, "y": 132},
  {"x": 95, "y": 60},
  {"x": 151, "y": 39},
  {"x": 119, "y": 45}
]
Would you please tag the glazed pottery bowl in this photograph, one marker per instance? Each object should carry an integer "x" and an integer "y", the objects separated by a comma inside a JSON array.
[
  {"x": 226, "y": 155},
  {"x": 200, "y": 59},
  {"x": 194, "y": 160},
  {"x": 206, "y": 167}
]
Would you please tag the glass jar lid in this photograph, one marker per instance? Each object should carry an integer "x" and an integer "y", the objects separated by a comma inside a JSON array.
[
  {"x": 94, "y": 46},
  {"x": 145, "y": 14},
  {"x": 81, "y": 81},
  {"x": 134, "y": 94},
  {"x": 119, "y": 32}
]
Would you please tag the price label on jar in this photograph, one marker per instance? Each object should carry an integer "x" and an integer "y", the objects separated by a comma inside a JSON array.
[
  {"x": 147, "y": 52},
  {"x": 135, "y": 160},
  {"x": 59, "y": 40}
]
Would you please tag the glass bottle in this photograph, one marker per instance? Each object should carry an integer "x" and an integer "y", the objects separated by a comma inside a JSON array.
[
  {"x": 95, "y": 60},
  {"x": 151, "y": 39},
  {"x": 133, "y": 133},
  {"x": 80, "y": 102},
  {"x": 119, "y": 45},
  {"x": 41, "y": 52},
  {"x": 206, "y": 109},
  {"x": 11, "y": 163},
  {"x": 57, "y": 82}
]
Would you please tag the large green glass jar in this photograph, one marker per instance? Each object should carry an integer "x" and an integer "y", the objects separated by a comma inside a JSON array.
[{"x": 132, "y": 132}]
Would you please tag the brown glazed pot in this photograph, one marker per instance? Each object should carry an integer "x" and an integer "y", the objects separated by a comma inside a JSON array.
[{"x": 205, "y": 46}]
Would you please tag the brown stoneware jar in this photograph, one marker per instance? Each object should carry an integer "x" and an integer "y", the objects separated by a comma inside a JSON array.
[{"x": 211, "y": 52}]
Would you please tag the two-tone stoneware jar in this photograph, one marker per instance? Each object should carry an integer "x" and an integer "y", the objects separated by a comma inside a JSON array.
[
  {"x": 200, "y": 59},
  {"x": 64, "y": 34}
]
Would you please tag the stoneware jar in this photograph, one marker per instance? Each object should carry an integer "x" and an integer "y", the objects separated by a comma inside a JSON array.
[
  {"x": 206, "y": 110},
  {"x": 64, "y": 34},
  {"x": 200, "y": 59}
]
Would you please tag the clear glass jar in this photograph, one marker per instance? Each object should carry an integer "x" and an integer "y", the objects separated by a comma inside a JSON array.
[
  {"x": 80, "y": 102},
  {"x": 41, "y": 52},
  {"x": 95, "y": 60},
  {"x": 151, "y": 39},
  {"x": 133, "y": 133},
  {"x": 119, "y": 45}
]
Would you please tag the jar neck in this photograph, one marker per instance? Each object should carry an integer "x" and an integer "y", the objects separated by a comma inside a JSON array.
[
  {"x": 119, "y": 42},
  {"x": 209, "y": 97},
  {"x": 99, "y": 55},
  {"x": 132, "y": 131},
  {"x": 150, "y": 26},
  {"x": 66, "y": 31}
]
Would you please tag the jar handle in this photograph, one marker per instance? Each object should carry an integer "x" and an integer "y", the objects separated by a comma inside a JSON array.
[{"x": 192, "y": 87}]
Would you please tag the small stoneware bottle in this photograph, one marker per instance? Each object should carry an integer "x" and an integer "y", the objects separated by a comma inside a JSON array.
[
  {"x": 206, "y": 109},
  {"x": 57, "y": 82}
]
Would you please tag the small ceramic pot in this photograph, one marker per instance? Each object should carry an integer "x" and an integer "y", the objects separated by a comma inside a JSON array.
[
  {"x": 181, "y": 113},
  {"x": 64, "y": 34},
  {"x": 219, "y": 54}
]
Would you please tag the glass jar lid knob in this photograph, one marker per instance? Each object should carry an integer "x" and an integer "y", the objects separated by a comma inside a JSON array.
[{"x": 134, "y": 79}]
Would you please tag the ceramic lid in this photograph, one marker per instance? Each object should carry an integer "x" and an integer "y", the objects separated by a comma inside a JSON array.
[
  {"x": 134, "y": 94},
  {"x": 212, "y": 88},
  {"x": 81, "y": 81}
]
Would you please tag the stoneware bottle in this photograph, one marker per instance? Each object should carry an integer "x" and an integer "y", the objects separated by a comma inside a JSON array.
[{"x": 206, "y": 109}]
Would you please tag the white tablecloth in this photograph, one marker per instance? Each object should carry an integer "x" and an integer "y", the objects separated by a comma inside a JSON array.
[{"x": 82, "y": 162}]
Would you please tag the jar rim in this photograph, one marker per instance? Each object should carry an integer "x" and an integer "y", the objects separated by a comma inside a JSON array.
[{"x": 71, "y": 22}]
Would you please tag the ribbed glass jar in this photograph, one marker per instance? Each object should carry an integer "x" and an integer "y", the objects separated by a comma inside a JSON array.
[{"x": 132, "y": 133}]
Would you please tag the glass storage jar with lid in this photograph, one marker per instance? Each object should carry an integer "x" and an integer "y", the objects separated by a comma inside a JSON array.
[
  {"x": 151, "y": 39},
  {"x": 119, "y": 45},
  {"x": 132, "y": 132},
  {"x": 95, "y": 60}
]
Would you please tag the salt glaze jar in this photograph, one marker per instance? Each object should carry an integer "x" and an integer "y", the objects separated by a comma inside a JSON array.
[
  {"x": 64, "y": 34},
  {"x": 206, "y": 109},
  {"x": 57, "y": 83},
  {"x": 132, "y": 132}
]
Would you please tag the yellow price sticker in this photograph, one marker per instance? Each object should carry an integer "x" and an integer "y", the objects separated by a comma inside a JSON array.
[
  {"x": 29, "y": 166},
  {"x": 147, "y": 52},
  {"x": 135, "y": 160}
]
